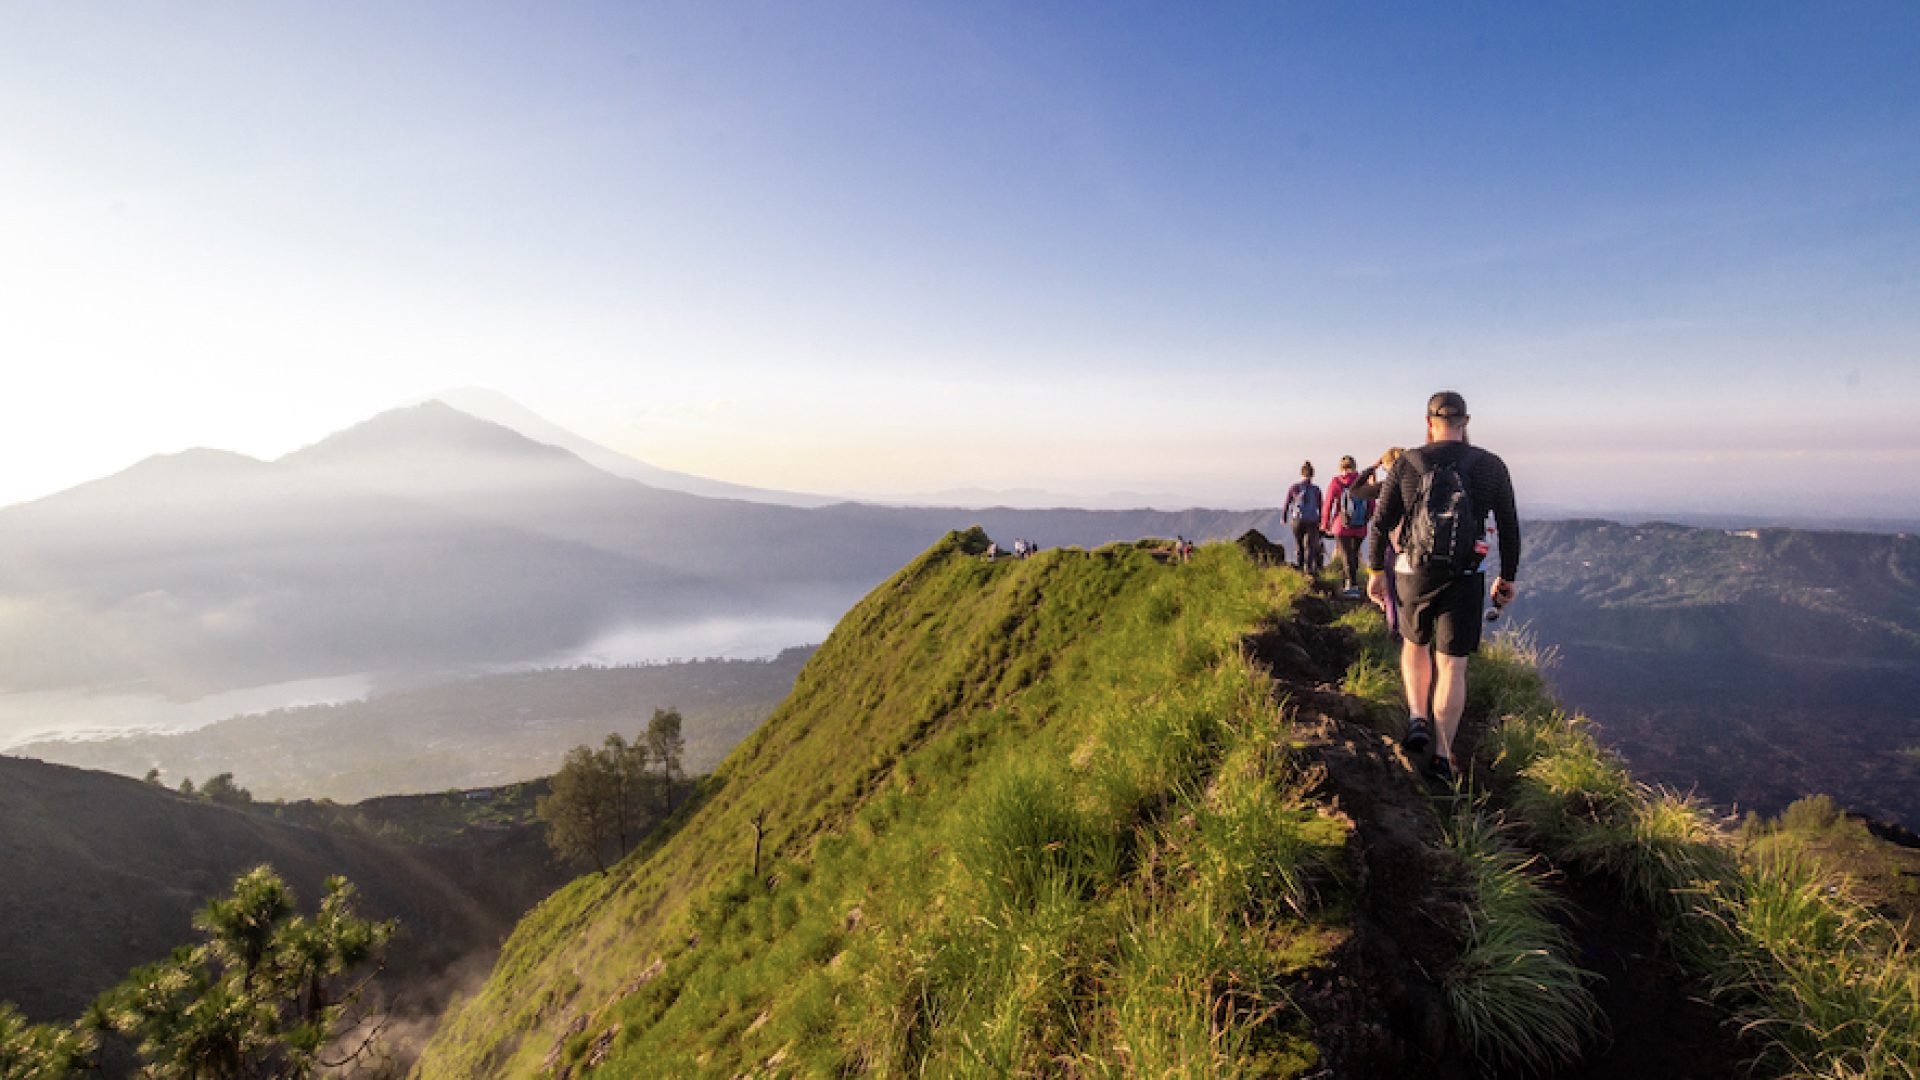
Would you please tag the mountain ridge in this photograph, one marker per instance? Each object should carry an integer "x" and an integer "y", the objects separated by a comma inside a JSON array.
[{"x": 498, "y": 408}]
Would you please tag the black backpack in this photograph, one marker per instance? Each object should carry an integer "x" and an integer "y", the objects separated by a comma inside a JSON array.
[{"x": 1443, "y": 526}]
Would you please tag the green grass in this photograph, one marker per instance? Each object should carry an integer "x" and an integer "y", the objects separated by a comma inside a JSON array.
[
  {"x": 1821, "y": 979},
  {"x": 1517, "y": 1000},
  {"x": 1876, "y": 873},
  {"x": 1023, "y": 818}
]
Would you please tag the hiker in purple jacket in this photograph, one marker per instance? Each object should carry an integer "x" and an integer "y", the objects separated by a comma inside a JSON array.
[{"x": 1302, "y": 511}]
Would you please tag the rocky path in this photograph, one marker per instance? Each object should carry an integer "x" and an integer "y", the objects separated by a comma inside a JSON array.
[{"x": 1382, "y": 1000}]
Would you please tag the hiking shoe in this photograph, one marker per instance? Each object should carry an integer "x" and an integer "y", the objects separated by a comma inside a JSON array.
[
  {"x": 1417, "y": 736},
  {"x": 1440, "y": 771}
]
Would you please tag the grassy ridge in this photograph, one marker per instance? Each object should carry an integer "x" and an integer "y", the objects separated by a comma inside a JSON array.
[{"x": 1022, "y": 817}]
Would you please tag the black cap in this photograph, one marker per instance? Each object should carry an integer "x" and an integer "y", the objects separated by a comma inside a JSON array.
[{"x": 1447, "y": 405}]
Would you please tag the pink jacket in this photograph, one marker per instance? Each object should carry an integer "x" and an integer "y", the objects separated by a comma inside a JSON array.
[{"x": 1330, "y": 510}]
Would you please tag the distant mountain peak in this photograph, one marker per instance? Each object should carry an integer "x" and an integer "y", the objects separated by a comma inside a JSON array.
[
  {"x": 430, "y": 426},
  {"x": 194, "y": 474},
  {"x": 198, "y": 458},
  {"x": 496, "y": 407}
]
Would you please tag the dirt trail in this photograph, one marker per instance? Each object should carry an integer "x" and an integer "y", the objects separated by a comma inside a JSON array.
[{"x": 1380, "y": 1006}]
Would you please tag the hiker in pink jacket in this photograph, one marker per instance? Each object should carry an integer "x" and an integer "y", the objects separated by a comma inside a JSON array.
[{"x": 1344, "y": 516}]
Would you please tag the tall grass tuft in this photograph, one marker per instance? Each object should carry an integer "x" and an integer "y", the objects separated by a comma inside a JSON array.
[
  {"x": 1517, "y": 740},
  {"x": 1517, "y": 1000},
  {"x": 1672, "y": 856},
  {"x": 1022, "y": 840},
  {"x": 1571, "y": 791},
  {"x": 1504, "y": 677},
  {"x": 1830, "y": 988}
]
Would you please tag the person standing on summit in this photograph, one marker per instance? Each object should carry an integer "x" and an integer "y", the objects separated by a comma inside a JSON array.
[{"x": 1433, "y": 511}]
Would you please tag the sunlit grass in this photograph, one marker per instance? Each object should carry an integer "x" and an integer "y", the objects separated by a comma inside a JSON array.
[
  {"x": 1079, "y": 841},
  {"x": 1833, "y": 992}
]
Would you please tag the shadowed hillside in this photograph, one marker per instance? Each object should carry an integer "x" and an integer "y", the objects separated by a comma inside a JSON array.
[
  {"x": 1754, "y": 666},
  {"x": 103, "y": 873}
]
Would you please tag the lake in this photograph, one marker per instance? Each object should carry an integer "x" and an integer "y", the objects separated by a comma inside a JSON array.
[{"x": 94, "y": 714}]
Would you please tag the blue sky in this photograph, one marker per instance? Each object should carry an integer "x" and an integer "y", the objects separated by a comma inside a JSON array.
[{"x": 882, "y": 248}]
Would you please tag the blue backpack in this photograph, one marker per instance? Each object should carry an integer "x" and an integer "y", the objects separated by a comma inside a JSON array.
[
  {"x": 1354, "y": 509},
  {"x": 1307, "y": 506}
]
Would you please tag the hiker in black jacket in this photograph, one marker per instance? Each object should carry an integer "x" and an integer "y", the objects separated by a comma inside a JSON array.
[{"x": 1432, "y": 511}]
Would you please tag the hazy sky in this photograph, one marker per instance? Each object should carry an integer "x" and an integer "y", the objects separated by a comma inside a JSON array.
[{"x": 1670, "y": 252}]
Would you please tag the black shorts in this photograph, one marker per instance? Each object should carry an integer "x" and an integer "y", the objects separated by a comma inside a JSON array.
[{"x": 1446, "y": 614}]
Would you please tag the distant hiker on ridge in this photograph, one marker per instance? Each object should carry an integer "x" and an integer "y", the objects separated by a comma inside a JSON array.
[
  {"x": 1345, "y": 516},
  {"x": 1433, "y": 511},
  {"x": 1302, "y": 511}
]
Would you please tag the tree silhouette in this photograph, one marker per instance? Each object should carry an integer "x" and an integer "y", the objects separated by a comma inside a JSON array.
[
  {"x": 625, "y": 768},
  {"x": 221, "y": 789}
]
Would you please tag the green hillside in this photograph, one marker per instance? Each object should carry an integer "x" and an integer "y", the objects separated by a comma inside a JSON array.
[
  {"x": 1105, "y": 814},
  {"x": 999, "y": 806}
]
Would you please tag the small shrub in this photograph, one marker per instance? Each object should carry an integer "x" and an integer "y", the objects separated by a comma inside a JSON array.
[{"x": 1813, "y": 814}]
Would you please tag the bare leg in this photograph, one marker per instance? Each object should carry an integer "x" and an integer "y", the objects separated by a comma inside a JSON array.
[
  {"x": 1449, "y": 702},
  {"x": 1416, "y": 673}
]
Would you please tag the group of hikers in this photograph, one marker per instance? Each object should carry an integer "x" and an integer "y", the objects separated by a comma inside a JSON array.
[
  {"x": 1021, "y": 549},
  {"x": 1421, "y": 515},
  {"x": 1341, "y": 512},
  {"x": 1419, "y": 518}
]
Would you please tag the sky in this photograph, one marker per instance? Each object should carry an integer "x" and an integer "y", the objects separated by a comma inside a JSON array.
[{"x": 1669, "y": 252}]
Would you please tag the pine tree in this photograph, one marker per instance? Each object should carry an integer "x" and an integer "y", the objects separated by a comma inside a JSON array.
[
  {"x": 666, "y": 746},
  {"x": 260, "y": 997},
  {"x": 40, "y": 1051},
  {"x": 580, "y": 812},
  {"x": 625, "y": 766}
]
